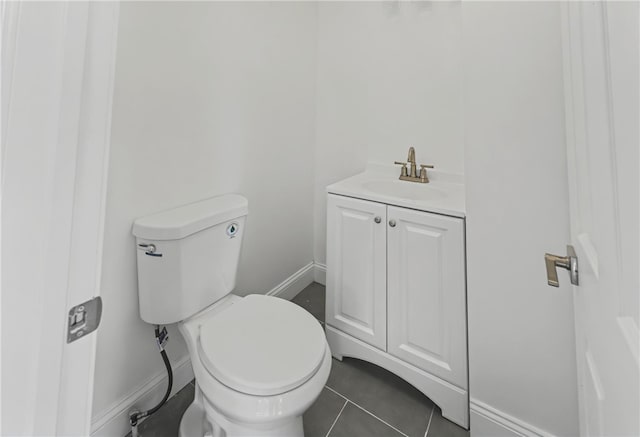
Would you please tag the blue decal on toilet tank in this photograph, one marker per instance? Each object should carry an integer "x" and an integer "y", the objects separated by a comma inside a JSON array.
[{"x": 232, "y": 229}]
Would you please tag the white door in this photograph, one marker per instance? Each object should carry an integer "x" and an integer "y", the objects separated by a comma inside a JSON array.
[
  {"x": 57, "y": 75},
  {"x": 357, "y": 268},
  {"x": 426, "y": 294},
  {"x": 601, "y": 86}
]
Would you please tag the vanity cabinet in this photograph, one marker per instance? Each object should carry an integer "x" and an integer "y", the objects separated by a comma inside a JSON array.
[{"x": 396, "y": 295}]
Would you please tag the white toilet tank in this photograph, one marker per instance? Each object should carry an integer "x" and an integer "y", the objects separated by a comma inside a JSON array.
[{"x": 188, "y": 257}]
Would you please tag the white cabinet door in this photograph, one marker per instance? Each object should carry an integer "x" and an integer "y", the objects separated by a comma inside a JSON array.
[
  {"x": 356, "y": 268},
  {"x": 426, "y": 292}
]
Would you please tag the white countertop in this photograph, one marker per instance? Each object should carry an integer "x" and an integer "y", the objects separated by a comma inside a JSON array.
[{"x": 444, "y": 194}]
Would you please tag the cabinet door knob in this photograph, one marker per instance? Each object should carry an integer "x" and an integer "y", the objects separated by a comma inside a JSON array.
[
  {"x": 392, "y": 223},
  {"x": 378, "y": 219}
]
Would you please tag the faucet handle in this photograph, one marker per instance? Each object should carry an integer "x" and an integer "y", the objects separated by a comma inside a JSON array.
[
  {"x": 403, "y": 171},
  {"x": 423, "y": 173}
]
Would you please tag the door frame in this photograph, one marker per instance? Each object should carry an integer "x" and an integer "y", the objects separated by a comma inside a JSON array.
[{"x": 61, "y": 115}]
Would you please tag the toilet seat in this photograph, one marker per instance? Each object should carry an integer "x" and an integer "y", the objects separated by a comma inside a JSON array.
[{"x": 262, "y": 346}]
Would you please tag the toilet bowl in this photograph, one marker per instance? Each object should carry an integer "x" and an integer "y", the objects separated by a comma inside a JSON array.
[{"x": 259, "y": 363}]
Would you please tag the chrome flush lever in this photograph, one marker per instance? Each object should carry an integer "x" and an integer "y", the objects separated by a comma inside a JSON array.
[
  {"x": 149, "y": 249},
  {"x": 569, "y": 262}
]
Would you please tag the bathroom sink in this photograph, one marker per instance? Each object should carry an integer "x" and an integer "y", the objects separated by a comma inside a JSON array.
[
  {"x": 404, "y": 189},
  {"x": 443, "y": 195}
]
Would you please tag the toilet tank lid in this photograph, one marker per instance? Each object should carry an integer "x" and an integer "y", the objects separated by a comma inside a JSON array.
[{"x": 183, "y": 221}]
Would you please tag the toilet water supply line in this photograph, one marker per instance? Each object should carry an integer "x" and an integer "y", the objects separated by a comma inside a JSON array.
[{"x": 135, "y": 416}]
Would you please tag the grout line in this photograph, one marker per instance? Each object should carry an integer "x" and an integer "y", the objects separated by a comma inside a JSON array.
[
  {"x": 339, "y": 394},
  {"x": 336, "y": 420},
  {"x": 367, "y": 411},
  {"x": 386, "y": 423},
  {"x": 429, "y": 424}
]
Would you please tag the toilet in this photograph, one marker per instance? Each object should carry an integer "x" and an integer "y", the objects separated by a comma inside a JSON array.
[{"x": 259, "y": 361}]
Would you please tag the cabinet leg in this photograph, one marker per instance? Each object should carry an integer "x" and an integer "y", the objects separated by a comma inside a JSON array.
[{"x": 337, "y": 356}]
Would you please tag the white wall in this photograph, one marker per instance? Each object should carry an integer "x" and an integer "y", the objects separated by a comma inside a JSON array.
[
  {"x": 389, "y": 77},
  {"x": 521, "y": 335},
  {"x": 210, "y": 98}
]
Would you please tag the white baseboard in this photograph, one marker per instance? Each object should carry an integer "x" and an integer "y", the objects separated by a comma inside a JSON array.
[
  {"x": 114, "y": 421},
  {"x": 487, "y": 421},
  {"x": 320, "y": 273},
  {"x": 294, "y": 284}
]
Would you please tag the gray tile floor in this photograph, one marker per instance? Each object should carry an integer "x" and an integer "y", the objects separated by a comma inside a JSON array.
[{"x": 359, "y": 400}]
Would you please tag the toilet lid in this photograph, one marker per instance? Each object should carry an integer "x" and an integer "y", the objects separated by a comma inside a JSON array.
[{"x": 262, "y": 345}]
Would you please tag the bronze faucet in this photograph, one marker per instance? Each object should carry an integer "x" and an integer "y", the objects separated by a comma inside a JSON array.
[{"x": 413, "y": 175}]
